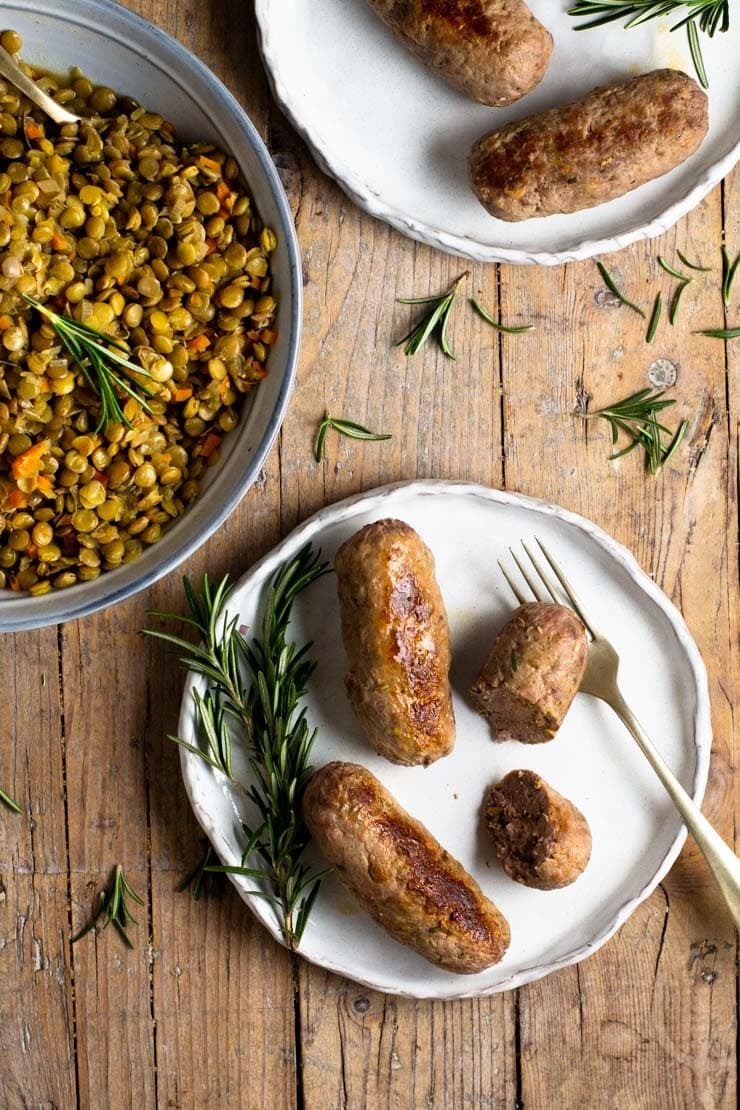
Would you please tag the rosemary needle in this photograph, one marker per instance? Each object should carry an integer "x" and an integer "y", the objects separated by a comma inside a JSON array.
[
  {"x": 693, "y": 265},
  {"x": 508, "y": 330},
  {"x": 673, "y": 314},
  {"x": 612, "y": 287},
  {"x": 654, "y": 318},
  {"x": 670, "y": 269},
  {"x": 8, "y": 801},
  {"x": 720, "y": 333},
  {"x": 729, "y": 269},
  {"x": 113, "y": 909},
  {"x": 433, "y": 323},
  {"x": 345, "y": 428},
  {"x": 102, "y": 360}
]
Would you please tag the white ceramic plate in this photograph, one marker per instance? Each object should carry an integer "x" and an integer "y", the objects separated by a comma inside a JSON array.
[
  {"x": 637, "y": 833},
  {"x": 396, "y": 137}
]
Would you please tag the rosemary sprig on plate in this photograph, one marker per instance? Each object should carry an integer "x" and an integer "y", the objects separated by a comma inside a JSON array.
[
  {"x": 613, "y": 288},
  {"x": 113, "y": 908},
  {"x": 433, "y": 323},
  {"x": 707, "y": 16},
  {"x": 345, "y": 428},
  {"x": 8, "y": 801},
  {"x": 635, "y": 417},
  {"x": 257, "y": 686},
  {"x": 103, "y": 361},
  {"x": 506, "y": 329}
]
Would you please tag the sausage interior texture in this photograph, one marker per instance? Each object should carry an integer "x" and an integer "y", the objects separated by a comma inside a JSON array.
[
  {"x": 592, "y": 150},
  {"x": 493, "y": 51},
  {"x": 397, "y": 640},
  {"x": 400, "y": 874},
  {"x": 540, "y": 838},
  {"x": 532, "y": 673}
]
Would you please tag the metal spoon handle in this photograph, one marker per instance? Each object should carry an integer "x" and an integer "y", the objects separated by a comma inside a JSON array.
[{"x": 9, "y": 68}]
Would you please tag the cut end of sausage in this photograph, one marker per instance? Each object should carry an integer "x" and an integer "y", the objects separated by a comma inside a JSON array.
[
  {"x": 540, "y": 838},
  {"x": 532, "y": 673}
]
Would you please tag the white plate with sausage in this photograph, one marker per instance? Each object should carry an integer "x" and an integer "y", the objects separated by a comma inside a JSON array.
[
  {"x": 637, "y": 834},
  {"x": 396, "y": 137}
]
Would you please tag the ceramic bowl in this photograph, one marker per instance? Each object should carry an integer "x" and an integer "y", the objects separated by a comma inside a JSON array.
[{"x": 119, "y": 49}]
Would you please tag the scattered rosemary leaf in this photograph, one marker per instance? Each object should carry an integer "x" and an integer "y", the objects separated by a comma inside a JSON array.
[
  {"x": 345, "y": 428},
  {"x": 635, "y": 417},
  {"x": 670, "y": 270},
  {"x": 729, "y": 269},
  {"x": 8, "y": 801},
  {"x": 654, "y": 318},
  {"x": 435, "y": 321},
  {"x": 612, "y": 287},
  {"x": 673, "y": 314},
  {"x": 113, "y": 909},
  {"x": 720, "y": 333},
  {"x": 507, "y": 329},
  {"x": 693, "y": 265}
]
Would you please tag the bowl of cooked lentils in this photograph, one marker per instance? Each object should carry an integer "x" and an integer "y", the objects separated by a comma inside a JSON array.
[{"x": 150, "y": 309}]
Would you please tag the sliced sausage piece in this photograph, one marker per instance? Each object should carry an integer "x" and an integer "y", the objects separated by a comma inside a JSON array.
[
  {"x": 540, "y": 838},
  {"x": 399, "y": 873},
  {"x": 591, "y": 151},
  {"x": 397, "y": 640},
  {"x": 493, "y": 51},
  {"x": 532, "y": 673}
]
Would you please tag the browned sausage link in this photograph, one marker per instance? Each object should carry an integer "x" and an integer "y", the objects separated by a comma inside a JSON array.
[
  {"x": 395, "y": 632},
  {"x": 540, "y": 838},
  {"x": 532, "y": 673},
  {"x": 493, "y": 51},
  {"x": 591, "y": 151},
  {"x": 399, "y": 873}
]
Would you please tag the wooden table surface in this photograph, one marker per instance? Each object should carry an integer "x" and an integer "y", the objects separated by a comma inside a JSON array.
[{"x": 207, "y": 1011}]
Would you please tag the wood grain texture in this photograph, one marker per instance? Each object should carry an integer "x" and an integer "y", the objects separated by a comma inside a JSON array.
[{"x": 207, "y": 1011}]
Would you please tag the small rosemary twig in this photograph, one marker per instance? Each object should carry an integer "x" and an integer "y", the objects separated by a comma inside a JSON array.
[
  {"x": 635, "y": 417},
  {"x": 434, "y": 323},
  {"x": 113, "y": 909},
  {"x": 345, "y": 428},
  {"x": 104, "y": 363}
]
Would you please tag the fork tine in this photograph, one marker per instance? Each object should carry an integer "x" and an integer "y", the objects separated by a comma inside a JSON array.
[
  {"x": 547, "y": 581},
  {"x": 569, "y": 591},
  {"x": 512, "y": 585},
  {"x": 532, "y": 585}
]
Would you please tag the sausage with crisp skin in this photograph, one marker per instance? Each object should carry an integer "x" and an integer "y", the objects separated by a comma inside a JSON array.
[
  {"x": 397, "y": 640},
  {"x": 493, "y": 51},
  {"x": 540, "y": 838},
  {"x": 592, "y": 150},
  {"x": 532, "y": 673},
  {"x": 400, "y": 874}
]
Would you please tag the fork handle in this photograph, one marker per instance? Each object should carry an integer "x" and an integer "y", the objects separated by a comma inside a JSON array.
[{"x": 722, "y": 861}]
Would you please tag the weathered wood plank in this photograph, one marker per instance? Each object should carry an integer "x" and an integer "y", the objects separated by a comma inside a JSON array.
[
  {"x": 644, "y": 1043},
  {"x": 36, "y": 1006}
]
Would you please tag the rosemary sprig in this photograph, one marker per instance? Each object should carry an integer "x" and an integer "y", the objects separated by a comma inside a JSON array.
[
  {"x": 635, "y": 417},
  {"x": 264, "y": 703},
  {"x": 345, "y": 428},
  {"x": 612, "y": 287},
  {"x": 113, "y": 909},
  {"x": 102, "y": 360},
  {"x": 8, "y": 801},
  {"x": 729, "y": 269},
  {"x": 508, "y": 329},
  {"x": 707, "y": 16},
  {"x": 434, "y": 323},
  {"x": 654, "y": 318}
]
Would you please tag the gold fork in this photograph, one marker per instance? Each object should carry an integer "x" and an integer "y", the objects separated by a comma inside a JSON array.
[{"x": 600, "y": 680}]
